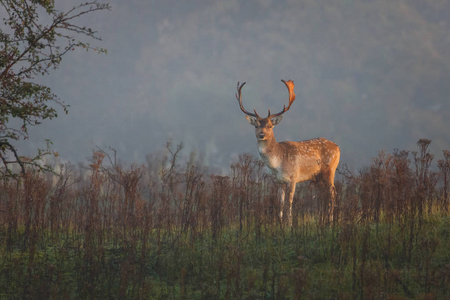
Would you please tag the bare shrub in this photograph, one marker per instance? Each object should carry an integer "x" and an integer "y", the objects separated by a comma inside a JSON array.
[
  {"x": 444, "y": 167},
  {"x": 170, "y": 229}
]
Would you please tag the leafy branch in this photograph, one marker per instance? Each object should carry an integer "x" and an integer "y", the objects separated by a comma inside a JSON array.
[{"x": 34, "y": 37}]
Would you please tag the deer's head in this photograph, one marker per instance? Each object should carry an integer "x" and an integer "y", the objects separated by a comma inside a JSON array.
[{"x": 264, "y": 126}]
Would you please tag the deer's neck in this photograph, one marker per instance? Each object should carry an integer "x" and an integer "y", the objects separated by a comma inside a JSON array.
[{"x": 268, "y": 150}]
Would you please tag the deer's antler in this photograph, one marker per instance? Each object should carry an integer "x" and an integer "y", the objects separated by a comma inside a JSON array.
[
  {"x": 290, "y": 85},
  {"x": 239, "y": 99}
]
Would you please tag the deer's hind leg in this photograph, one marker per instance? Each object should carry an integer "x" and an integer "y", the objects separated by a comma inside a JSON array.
[{"x": 328, "y": 179}]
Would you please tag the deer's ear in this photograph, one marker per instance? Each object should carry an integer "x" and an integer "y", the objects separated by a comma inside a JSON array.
[
  {"x": 276, "y": 120},
  {"x": 251, "y": 120}
]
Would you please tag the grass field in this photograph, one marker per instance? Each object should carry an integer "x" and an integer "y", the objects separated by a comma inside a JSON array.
[{"x": 171, "y": 230}]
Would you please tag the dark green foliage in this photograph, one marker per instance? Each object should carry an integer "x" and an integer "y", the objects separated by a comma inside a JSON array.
[{"x": 169, "y": 231}]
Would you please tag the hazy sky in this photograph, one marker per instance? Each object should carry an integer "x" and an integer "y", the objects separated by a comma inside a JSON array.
[{"x": 172, "y": 67}]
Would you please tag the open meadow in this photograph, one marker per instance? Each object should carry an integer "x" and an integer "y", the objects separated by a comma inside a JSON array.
[{"x": 171, "y": 230}]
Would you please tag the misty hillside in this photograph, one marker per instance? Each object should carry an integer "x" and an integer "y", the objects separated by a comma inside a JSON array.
[{"x": 369, "y": 75}]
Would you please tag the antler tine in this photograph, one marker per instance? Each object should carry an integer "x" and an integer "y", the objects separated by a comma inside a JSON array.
[
  {"x": 290, "y": 85},
  {"x": 239, "y": 99}
]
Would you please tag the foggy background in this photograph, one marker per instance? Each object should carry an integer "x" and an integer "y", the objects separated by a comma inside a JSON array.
[{"x": 369, "y": 75}]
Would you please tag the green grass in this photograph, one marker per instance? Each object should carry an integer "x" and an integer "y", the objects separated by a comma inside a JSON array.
[{"x": 308, "y": 262}]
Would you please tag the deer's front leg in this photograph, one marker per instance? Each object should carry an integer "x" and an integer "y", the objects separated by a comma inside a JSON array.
[
  {"x": 291, "y": 190},
  {"x": 282, "y": 192}
]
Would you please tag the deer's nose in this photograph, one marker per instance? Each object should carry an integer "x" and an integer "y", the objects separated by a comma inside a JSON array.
[{"x": 262, "y": 135}]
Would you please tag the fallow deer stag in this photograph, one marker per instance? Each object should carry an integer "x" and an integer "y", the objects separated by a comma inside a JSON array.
[{"x": 293, "y": 162}]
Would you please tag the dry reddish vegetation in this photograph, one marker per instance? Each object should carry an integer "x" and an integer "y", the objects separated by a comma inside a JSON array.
[{"x": 171, "y": 230}]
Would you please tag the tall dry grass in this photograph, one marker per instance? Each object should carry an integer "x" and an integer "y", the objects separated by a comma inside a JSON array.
[{"x": 170, "y": 229}]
